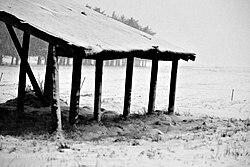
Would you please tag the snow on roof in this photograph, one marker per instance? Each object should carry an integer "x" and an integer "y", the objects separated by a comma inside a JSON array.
[{"x": 78, "y": 25}]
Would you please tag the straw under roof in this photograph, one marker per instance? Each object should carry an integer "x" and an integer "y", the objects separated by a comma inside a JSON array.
[{"x": 71, "y": 23}]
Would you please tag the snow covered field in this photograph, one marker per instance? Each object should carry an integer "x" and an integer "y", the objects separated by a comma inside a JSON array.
[
  {"x": 204, "y": 134},
  {"x": 200, "y": 90}
]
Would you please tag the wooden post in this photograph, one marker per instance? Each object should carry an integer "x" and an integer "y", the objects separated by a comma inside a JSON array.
[
  {"x": 75, "y": 89},
  {"x": 98, "y": 90},
  {"x": 48, "y": 76},
  {"x": 232, "y": 96},
  {"x": 128, "y": 86},
  {"x": 1, "y": 76},
  {"x": 22, "y": 73},
  {"x": 153, "y": 83},
  {"x": 55, "y": 102},
  {"x": 172, "y": 87}
]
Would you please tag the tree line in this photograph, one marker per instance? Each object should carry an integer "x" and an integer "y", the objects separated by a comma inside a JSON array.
[{"x": 132, "y": 22}]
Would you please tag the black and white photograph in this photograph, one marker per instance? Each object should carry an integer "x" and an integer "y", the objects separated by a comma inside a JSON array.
[{"x": 124, "y": 83}]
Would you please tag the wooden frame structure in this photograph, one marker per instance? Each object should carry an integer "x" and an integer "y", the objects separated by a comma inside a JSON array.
[{"x": 58, "y": 46}]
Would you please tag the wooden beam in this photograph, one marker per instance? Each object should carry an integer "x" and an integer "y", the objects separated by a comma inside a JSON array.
[
  {"x": 25, "y": 62},
  {"x": 48, "y": 77},
  {"x": 22, "y": 73},
  {"x": 14, "y": 38},
  {"x": 66, "y": 51},
  {"x": 128, "y": 86},
  {"x": 172, "y": 87},
  {"x": 75, "y": 89},
  {"x": 55, "y": 102},
  {"x": 98, "y": 89},
  {"x": 153, "y": 83}
]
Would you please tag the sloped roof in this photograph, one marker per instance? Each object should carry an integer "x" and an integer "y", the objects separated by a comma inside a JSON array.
[{"x": 74, "y": 24}]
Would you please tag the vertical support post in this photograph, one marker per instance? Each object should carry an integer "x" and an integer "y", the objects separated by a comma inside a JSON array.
[
  {"x": 75, "y": 89},
  {"x": 98, "y": 89},
  {"x": 55, "y": 102},
  {"x": 22, "y": 72},
  {"x": 153, "y": 83},
  {"x": 48, "y": 76},
  {"x": 128, "y": 86},
  {"x": 172, "y": 87}
]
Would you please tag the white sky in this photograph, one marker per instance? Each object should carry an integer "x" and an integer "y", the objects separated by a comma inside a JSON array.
[{"x": 218, "y": 31}]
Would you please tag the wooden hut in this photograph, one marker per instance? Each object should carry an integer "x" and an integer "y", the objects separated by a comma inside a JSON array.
[{"x": 72, "y": 30}]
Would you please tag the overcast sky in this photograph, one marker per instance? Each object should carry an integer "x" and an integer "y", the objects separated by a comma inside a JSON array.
[{"x": 218, "y": 31}]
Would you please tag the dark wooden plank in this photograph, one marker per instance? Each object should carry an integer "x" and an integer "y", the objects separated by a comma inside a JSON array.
[
  {"x": 142, "y": 54},
  {"x": 48, "y": 77},
  {"x": 153, "y": 83},
  {"x": 34, "y": 82},
  {"x": 70, "y": 51},
  {"x": 55, "y": 102},
  {"x": 75, "y": 89},
  {"x": 98, "y": 89},
  {"x": 14, "y": 39},
  {"x": 22, "y": 73},
  {"x": 172, "y": 87},
  {"x": 25, "y": 62},
  {"x": 128, "y": 86}
]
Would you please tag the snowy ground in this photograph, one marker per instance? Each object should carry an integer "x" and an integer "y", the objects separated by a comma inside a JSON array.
[{"x": 211, "y": 130}]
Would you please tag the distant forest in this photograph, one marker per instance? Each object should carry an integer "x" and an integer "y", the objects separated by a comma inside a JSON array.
[
  {"x": 132, "y": 22},
  {"x": 39, "y": 48}
]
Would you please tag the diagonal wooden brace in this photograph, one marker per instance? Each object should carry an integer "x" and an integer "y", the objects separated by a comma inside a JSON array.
[{"x": 25, "y": 62}]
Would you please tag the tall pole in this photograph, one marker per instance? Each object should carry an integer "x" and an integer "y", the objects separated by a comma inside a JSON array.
[
  {"x": 22, "y": 72},
  {"x": 55, "y": 102},
  {"x": 48, "y": 76},
  {"x": 128, "y": 86},
  {"x": 98, "y": 90},
  {"x": 153, "y": 83},
  {"x": 172, "y": 87},
  {"x": 75, "y": 89}
]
